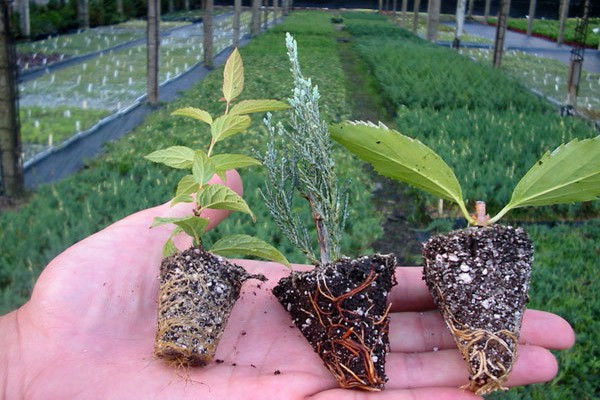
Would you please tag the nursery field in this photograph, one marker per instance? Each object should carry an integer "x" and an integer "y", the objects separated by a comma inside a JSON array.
[
  {"x": 111, "y": 82},
  {"x": 428, "y": 92}
]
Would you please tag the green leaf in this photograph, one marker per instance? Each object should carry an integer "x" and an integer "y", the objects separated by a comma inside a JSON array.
[
  {"x": 571, "y": 173},
  {"x": 195, "y": 113},
  {"x": 233, "y": 76},
  {"x": 176, "y": 157},
  {"x": 193, "y": 226},
  {"x": 224, "y": 162},
  {"x": 220, "y": 197},
  {"x": 229, "y": 125},
  {"x": 187, "y": 185},
  {"x": 184, "y": 198},
  {"x": 400, "y": 157},
  {"x": 169, "y": 248},
  {"x": 202, "y": 167},
  {"x": 255, "y": 106},
  {"x": 248, "y": 246}
]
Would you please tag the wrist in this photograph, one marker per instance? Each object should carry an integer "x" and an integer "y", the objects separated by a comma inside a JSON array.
[{"x": 10, "y": 362}]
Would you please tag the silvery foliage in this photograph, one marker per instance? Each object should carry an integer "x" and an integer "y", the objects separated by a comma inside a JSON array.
[{"x": 298, "y": 158}]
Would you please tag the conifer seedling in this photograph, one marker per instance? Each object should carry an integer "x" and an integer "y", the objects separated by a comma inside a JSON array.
[
  {"x": 479, "y": 276},
  {"x": 198, "y": 287},
  {"x": 341, "y": 305}
]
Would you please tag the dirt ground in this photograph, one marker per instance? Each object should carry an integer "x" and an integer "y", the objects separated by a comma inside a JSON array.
[{"x": 392, "y": 200}]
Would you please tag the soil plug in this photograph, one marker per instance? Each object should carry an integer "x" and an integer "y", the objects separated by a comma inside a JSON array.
[
  {"x": 341, "y": 306},
  {"x": 479, "y": 276},
  {"x": 198, "y": 288}
]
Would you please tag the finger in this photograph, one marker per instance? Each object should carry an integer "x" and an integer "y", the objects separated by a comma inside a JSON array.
[
  {"x": 410, "y": 294},
  {"x": 397, "y": 394},
  {"x": 547, "y": 330},
  {"x": 445, "y": 368},
  {"x": 427, "y": 331}
]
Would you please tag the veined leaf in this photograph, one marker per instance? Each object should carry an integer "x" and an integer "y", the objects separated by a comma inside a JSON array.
[
  {"x": 570, "y": 173},
  {"x": 248, "y": 246},
  {"x": 399, "y": 157},
  {"x": 254, "y": 106},
  {"x": 221, "y": 197},
  {"x": 233, "y": 76},
  {"x": 228, "y": 125},
  {"x": 224, "y": 162},
  {"x": 195, "y": 113},
  {"x": 202, "y": 167},
  {"x": 187, "y": 185},
  {"x": 158, "y": 221},
  {"x": 193, "y": 226},
  {"x": 180, "y": 157},
  {"x": 184, "y": 198}
]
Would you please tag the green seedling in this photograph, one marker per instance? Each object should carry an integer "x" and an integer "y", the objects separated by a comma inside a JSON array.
[
  {"x": 191, "y": 318},
  {"x": 479, "y": 276}
]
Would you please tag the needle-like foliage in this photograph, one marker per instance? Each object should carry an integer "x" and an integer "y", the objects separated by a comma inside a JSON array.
[{"x": 298, "y": 159}]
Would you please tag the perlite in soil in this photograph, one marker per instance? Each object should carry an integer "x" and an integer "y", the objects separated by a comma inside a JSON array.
[
  {"x": 341, "y": 306},
  {"x": 479, "y": 276},
  {"x": 198, "y": 288}
]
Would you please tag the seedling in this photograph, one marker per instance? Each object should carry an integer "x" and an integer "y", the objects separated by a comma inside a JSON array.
[
  {"x": 198, "y": 288},
  {"x": 341, "y": 305},
  {"x": 479, "y": 276}
]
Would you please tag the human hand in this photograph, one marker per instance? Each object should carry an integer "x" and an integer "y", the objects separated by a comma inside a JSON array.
[{"x": 88, "y": 333}]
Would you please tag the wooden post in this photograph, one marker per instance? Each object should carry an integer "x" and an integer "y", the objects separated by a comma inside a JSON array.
[
  {"x": 564, "y": 13},
  {"x": 501, "y": 32},
  {"x": 237, "y": 11},
  {"x": 152, "y": 50},
  {"x": 11, "y": 167},
  {"x": 415, "y": 27},
  {"x": 531, "y": 17},
  {"x": 255, "y": 25},
  {"x": 460, "y": 21},
  {"x": 433, "y": 19},
  {"x": 207, "y": 23},
  {"x": 486, "y": 11},
  {"x": 404, "y": 11}
]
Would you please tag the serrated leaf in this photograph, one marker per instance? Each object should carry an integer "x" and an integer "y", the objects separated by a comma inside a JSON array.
[
  {"x": 229, "y": 125},
  {"x": 399, "y": 157},
  {"x": 254, "y": 106},
  {"x": 233, "y": 76},
  {"x": 248, "y": 246},
  {"x": 158, "y": 221},
  {"x": 187, "y": 185},
  {"x": 571, "y": 173},
  {"x": 224, "y": 162},
  {"x": 202, "y": 167},
  {"x": 193, "y": 226},
  {"x": 220, "y": 197},
  {"x": 195, "y": 113},
  {"x": 179, "y": 157}
]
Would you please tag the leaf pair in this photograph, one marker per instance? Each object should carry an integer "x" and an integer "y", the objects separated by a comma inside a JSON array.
[{"x": 571, "y": 173}]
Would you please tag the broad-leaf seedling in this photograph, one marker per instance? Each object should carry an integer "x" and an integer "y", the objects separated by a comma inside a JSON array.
[
  {"x": 479, "y": 276},
  {"x": 198, "y": 288}
]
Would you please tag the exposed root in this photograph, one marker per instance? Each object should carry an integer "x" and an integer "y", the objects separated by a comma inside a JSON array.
[
  {"x": 347, "y": 344},
  {"x": 490, "y": 356}
]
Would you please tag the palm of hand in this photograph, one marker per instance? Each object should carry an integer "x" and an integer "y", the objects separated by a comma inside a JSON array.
[{"x": 92, "y": 319}]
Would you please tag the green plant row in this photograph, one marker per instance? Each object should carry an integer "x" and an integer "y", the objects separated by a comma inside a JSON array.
[
  {"x": 119, "y": 184},
  {"x": 492, "y": 128},
  {"x": 549, "y": 28}
]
